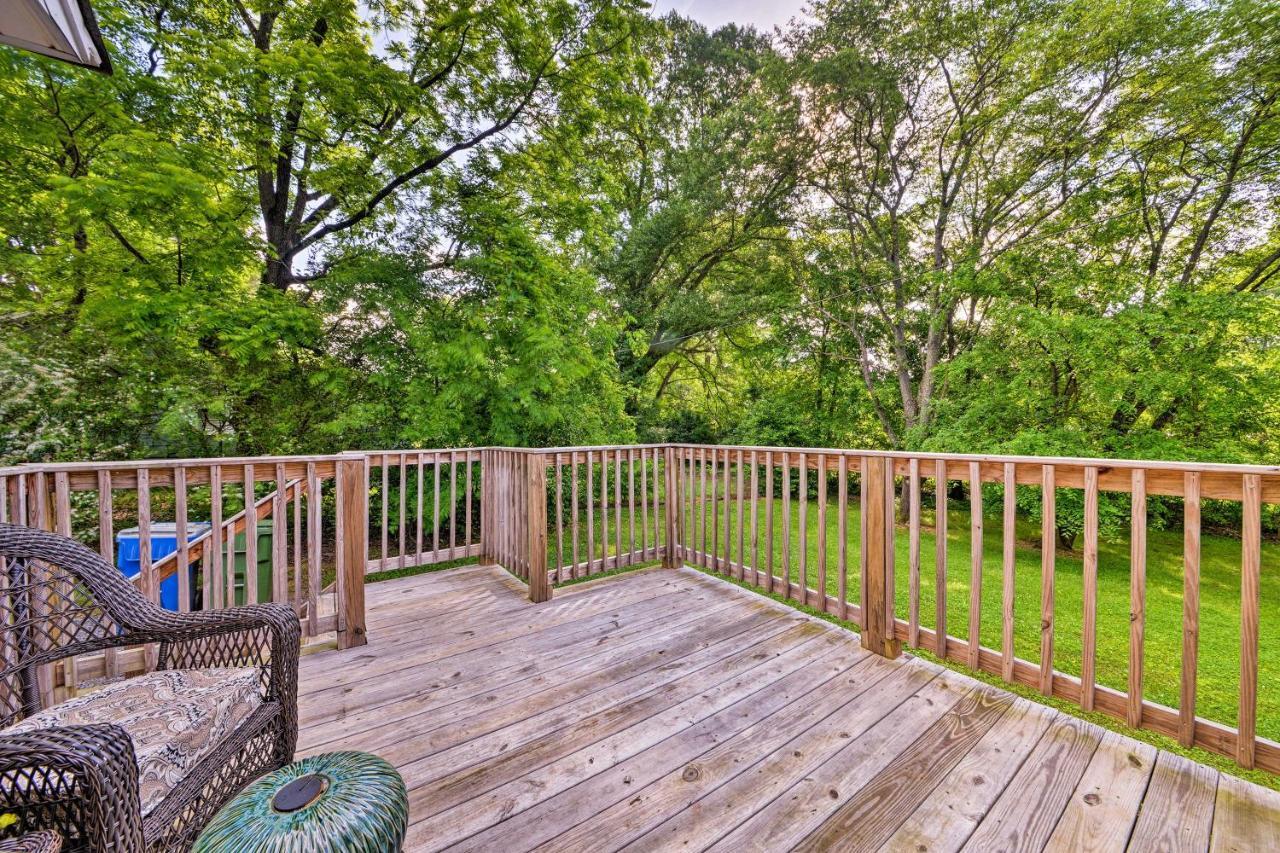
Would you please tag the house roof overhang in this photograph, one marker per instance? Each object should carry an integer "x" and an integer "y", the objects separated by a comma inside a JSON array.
[{"x": 63, "y": 29}]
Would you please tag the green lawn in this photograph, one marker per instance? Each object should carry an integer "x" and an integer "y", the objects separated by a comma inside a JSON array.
[{"x": 1219, "y": 659}]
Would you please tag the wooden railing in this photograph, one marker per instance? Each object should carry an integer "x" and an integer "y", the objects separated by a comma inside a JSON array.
[
  {"x": 427, "y": 505},
  {"x": 844, "y": 531},
  {"x": 304, "y": 500},
  {"x": 712, "y": 495}
]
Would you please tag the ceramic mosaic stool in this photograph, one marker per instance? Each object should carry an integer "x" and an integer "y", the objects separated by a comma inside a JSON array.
[{"x": 338, "y": 801}]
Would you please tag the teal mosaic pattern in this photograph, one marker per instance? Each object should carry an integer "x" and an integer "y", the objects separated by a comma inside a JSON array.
[{"x": 364, "y": 810}]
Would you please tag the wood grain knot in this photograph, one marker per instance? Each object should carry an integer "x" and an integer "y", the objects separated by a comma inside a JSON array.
[{"x": 691, "y": 773}]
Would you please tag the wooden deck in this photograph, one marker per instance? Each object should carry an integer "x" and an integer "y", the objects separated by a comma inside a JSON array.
[{"x": 668, "y": 710}]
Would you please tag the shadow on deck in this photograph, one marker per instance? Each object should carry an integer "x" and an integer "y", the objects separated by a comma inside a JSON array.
[{"x": 669, "y": 710}]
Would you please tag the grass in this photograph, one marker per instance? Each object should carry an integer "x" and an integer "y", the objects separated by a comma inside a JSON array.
[{"x": 1219, "y": 646}]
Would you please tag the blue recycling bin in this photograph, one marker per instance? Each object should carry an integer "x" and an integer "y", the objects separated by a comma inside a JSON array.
[{"x": 164, "y": 541}]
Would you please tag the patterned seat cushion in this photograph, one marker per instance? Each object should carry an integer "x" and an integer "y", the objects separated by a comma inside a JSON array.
[{"x": 174, "y": 717}]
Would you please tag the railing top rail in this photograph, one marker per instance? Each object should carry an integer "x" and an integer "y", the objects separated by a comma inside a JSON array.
[
  {"x": 135, "y": 464},
  {"x": 993, "y": 458},
  {"x": 1146, "y": 464},
  {"x": 581, "y": 448},
  {"x": 410, "y": 451}
]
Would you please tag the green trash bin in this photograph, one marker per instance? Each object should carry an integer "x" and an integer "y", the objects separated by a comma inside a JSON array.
[{"x": 264, "y": 563}]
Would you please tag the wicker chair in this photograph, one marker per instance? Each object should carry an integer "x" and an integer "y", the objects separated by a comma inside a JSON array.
[{"x": 86, "y": 781}]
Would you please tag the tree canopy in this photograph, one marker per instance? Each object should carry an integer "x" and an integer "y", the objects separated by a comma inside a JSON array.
[{"x": 1043, "y": 226}]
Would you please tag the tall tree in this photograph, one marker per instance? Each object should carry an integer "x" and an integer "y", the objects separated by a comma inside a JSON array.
[
  {"x": 349, "y": 114},
  {"x": 945, "y": 136},
  {"x": 707, "y": 176}
]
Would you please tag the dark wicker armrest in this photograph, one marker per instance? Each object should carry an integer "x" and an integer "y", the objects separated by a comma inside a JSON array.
[{"x": 79, "y": 780}]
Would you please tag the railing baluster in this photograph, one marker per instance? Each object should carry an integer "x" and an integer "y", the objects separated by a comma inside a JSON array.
[
  {"x": 1010, "y": 536},
  {"x": 106, "y": 547},
  {"x": 802, "y": 491},
  {"x": 631, "y": 506},
  {"x": 297, "y": 548},
  {"x": 62, "y": 526},
  {"x": 21, "y": 501},
  {"x": 418, "y": 511},
  {"x": 214, "y": 567},
  {"x": 975, "y": 563},
  {"x": 862, "y": 538},
  {"x": 38, "y": 500},
  {"x": 504, "y": 521},
  {"x": 559, "y": 518},
  {"x": 1250, "y": 580},
  {"x": 279, "y": 541},
  {"x": 1088, "y": 665},
  {"x": 727, "y": 567},
  {"x": 940, "y": 557},
  {"x": 180, "y": 537},
  {"x": 617, "y": 508},
  {"x": 384, "y": 500},
  {"x": 679, "y": 456},
  {"x": 145, "y": 580},
  {"x": 591, "y": 513},
  {"x": 786, "y": 525},
  {"x": 657, "y": 522},
  {"x": 435, "y": 508},
  {"x": 466, "y": 530},
  {"x": 741, "y": 571},
  {"x": 1137, "y": 594},
  {"x": 842, "y": 559},
  {"x": 1190, "y": 608},
  {"x": 690, "y": 534},
  {"x": 573, "y": 512},
  {"x": 913, "y": 553},
  {"x": 702, "y": 508},
  {"x": 315, "y": 507},
  {"x": 822, "y": 532},
  {"x": 768, "y": 519},
  {"x": 106, "y": 531},
  {"x": 604, "y": 510},
  {"x": 403, "y": 490},
  {"x": 453, "y": 504},
  {"x": 251, "y": 543},
  {"x": 1048, "y": 552},
  {"x": 755, "y": 519},
  {"x": 644, "y": 503},
  {"x": 714, "y": 550}
]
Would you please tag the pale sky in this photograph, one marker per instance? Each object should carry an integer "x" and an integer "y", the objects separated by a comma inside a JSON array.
[{"x": 765, "y": 14}]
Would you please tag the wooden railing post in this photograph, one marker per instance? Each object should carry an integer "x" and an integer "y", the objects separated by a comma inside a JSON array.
[
  {"x": 670, "y": 553},
  {"x": 877, "y": 565},
  {"x": 536, "y": 514},
  {"x": 353, "y": 536},
  {"x": 486, "y": 513}
]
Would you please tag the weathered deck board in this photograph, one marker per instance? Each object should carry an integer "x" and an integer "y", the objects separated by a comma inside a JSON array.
[
  {"x": 1103, "y": 808},
  {"x": 668, "y": 710},
  {"x": 1177, "y": 813}
]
